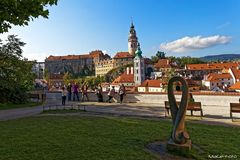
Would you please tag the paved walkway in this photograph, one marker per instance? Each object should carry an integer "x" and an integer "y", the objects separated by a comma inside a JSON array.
[
  {"x": 213, "y": 116},
  {"x": 19, "y": 113}
]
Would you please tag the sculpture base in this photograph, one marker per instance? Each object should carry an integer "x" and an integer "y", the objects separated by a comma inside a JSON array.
[
  {"x": 159, "y": 149},
  {"x": 179, "y": 148}
]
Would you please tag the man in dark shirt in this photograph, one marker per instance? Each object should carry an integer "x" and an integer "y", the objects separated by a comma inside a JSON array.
[
  {"x": 69, "y": 89},
  {"x": 75, "y": 91}
]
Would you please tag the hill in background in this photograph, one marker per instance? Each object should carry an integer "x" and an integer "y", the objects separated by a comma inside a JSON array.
[{"x": 221, "y": 57}]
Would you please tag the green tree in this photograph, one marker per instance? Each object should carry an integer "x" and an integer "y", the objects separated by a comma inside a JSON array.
[
  {"x": 46, "y": 74},
  {"x": 154, "y": 59},
  {"x": 20, "y": 12},
  {"x": 67, "y": 78},
  {"x": 159, "y": 55},
  {"x": 15, "y": 72}
]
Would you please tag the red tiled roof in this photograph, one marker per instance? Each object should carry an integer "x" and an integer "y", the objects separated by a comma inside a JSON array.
[
  {"x": 163, "y": 63},
  {"x": 211, "y": 66},
  {"x": 236, "y": 86},
  {"x": 123, "y": 55},
  {"x": 96, "y": 53},
  {"x": 214, "y": 77},
  {"x": 152, "y": 83},
  {"x": 124, "y": 78},
  {"x": 93, "y": 54},
  {"x": 236, "y": 73},
  {"x": 69, "y": 57}
]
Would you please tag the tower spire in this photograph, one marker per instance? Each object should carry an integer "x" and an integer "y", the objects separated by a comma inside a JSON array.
[
  {"x": 132, "y": 39},
  {"x": 132, "y": 22}
]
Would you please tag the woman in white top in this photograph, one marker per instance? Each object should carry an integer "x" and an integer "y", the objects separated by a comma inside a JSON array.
[
  {"x": 111, "y": 94},
  {"x": 64, "y": 95}
]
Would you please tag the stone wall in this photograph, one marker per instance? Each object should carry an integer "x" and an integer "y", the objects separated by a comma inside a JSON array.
[
  {"x": 206, "y": 100},
  {"x": 212, "y": 105}
]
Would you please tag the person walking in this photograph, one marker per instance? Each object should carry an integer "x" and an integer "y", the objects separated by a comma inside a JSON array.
[
  {"x": 75, "y": 91},
  {"x": 69, "y": 89},
  {"x": 64, "y": 95},
  {"x": 99, "y": 93},
  {"x": 111, "y": 94},
  {"x": 122, "y": 92},
  {"x": 84, "y": 92}
]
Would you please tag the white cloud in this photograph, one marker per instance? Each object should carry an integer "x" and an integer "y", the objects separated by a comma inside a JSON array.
[{"x": 186, "y": 44}]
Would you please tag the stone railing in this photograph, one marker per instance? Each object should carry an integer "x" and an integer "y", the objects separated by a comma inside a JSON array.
[{"x": 159, "y": 98}]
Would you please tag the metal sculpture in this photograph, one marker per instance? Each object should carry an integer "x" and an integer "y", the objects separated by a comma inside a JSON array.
[{"x": 179, "y": 139}]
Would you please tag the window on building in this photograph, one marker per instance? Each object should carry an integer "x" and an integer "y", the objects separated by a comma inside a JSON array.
[
  {"x": 136, "y": 64},
  {"x": 137, "y": 71}
]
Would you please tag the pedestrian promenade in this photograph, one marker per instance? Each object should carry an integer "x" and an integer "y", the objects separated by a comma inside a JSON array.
[{"x": 212, "y": 115}]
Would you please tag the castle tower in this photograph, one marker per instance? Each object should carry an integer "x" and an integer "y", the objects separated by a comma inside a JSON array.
[
  {"x": 132, "y": 40},
  {"x": 139, "y": 72}
]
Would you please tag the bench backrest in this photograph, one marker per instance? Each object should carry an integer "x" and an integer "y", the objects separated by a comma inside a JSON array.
[
  {"x": 190, "y": 104},
  {"x": 234, "y": 105},
  {"x": 194, "y": 105}
]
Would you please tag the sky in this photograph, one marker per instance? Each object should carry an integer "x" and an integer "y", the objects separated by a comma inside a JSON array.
[{"x": 178, "y": 27}]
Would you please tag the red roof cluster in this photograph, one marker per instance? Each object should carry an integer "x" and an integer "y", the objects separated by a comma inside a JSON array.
[{"x": 211, "y": 66}]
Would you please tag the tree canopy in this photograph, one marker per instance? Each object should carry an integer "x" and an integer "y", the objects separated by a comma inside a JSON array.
[
  {"x": 16, "y": 76},
  {"x": 20, "y": 12},
  {"x": 182, "y": 61},
  {"x": 159, "y": 55}
]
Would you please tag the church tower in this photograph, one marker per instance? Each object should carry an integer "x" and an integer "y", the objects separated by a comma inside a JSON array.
[
  {"x": 139, "y": 72},
  {"x": 132, "y": 40}
]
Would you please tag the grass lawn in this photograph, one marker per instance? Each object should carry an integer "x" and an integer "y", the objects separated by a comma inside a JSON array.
[
  {"x": 110, "y": 138},
  {"x": 12, "y": 106}
]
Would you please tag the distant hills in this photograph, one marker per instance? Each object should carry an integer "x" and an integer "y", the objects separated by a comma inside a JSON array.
[{"x": 221, "y": 57}]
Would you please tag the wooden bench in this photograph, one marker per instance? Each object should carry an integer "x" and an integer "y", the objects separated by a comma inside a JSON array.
[
  {"x": 192, "y": 106},
  {"x": 38, "y": 97},
  {"x": 195, "y": 106},
  {"x": 234, "y": 108}
]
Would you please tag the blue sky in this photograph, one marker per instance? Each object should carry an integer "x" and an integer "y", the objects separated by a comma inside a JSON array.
[{"x": 178, "y": 27}]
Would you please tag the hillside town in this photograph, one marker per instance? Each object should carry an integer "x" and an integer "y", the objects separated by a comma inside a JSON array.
[{"x": 137, "y": 72}]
